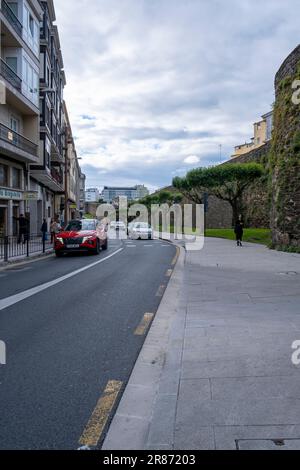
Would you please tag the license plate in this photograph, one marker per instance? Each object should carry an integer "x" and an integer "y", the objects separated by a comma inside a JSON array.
[{"x": 73, "y": 246}]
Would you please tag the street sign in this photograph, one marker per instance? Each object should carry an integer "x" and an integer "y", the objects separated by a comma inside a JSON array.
[
  {"x": 10, "y": 194},
  {"x": 30, "y": 195}
]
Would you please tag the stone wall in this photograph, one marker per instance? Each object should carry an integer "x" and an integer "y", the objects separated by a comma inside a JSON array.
[{"x": 285, "y": 157}]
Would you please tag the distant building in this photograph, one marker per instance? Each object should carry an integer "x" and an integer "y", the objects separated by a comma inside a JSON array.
[
  {"x": 111, "y": 193},
  {"x": 92, "y": 195},
  {"x": 262, "y": 134},
  {"x": 82, "y": 192}
]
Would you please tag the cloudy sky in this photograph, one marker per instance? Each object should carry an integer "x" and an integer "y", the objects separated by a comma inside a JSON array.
[{"x": 155, "y": 86}]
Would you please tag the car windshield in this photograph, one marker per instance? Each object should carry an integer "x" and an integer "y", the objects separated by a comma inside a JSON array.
[
  {"x": 78, "y": 225},
  {"x": 142, "y": 225}
]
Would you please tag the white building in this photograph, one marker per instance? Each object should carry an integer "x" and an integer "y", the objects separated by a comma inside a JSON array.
[
  {"x": 133, "y": 193},
  {"x": 19, "y": 109},
  {"x": 92, "y": 195}
]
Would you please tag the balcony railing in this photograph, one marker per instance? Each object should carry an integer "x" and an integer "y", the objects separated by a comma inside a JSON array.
[
  {"x": 11, "y": 17},
  {"x": 10, "y": 75},
  {"x": 11, "y": 137},
  {"x": 57, "y": 176}
]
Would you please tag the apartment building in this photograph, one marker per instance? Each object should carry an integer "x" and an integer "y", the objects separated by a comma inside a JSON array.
[
  {"x": 262, "y": 134},
  {"x": 49, "y": 171},
  {"x": 110, "y": 193},
  {"x": 73, "y": 175},
  {"x": 92, "y": 195},
  {"x": 82, "y": 179},
  {"x": 19, "y": 109}
]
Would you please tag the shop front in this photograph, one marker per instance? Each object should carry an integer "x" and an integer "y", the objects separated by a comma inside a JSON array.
[{"x": 11, "y": 205}]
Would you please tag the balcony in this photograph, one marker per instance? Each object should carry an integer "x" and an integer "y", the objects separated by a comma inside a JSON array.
[
  {"x": 11, "y": 17},
  {"x": 13, "y": 142},
  {"x": 57, "y": 176},
  {"x": 10, "y": 75}
]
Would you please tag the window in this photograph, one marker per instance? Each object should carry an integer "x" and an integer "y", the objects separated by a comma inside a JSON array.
[
  {"x": 15, "y": 124},
  {"x": 12, "y": 62},
  {"x": 16, "y": 178},
  {"x": 31, "y": 25},
  {"x": 14, "y": 7},
  {"x": 3, "y": 175}
]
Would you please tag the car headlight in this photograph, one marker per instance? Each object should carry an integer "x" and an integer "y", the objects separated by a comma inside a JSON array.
[
  {"x": 85, "y": 239},
  {"x": 60, "y": 240}
]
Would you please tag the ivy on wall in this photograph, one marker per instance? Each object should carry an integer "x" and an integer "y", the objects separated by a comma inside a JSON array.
[{"x": 284, "y": 162}]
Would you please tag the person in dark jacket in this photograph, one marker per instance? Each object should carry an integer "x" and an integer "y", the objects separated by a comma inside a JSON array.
[
  {"x": 23, "y": 228},
  {"x": 44, "y": 230},
  {"x": 239, "y": 231}
]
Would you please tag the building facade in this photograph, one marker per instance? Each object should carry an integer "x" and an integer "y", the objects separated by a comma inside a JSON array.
[
  {"x": 262, "y": 135},
  {"x": 33, "y": 142},
  {"x": 19, "y": 110},
  {"x": 71, "y": 199},
  {"x": 49, "y": 172},
  {"x": 110, "y": 193},
  {"x": 92, "y": 195},
  {"x": 82, "y": 179}
]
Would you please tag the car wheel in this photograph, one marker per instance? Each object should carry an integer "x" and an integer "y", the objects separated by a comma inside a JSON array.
[
  {"x": 105, "y": 246},
  {"x": 97, "y": 250},
  {"x": 58, "y": 254}
]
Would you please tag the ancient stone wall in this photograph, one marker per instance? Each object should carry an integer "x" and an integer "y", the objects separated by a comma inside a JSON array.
[{"x": 285, "y": 157}]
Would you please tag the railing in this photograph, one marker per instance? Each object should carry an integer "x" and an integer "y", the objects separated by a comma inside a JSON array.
[
  {"x": 11, "y": 17},
  {"x": 10, "y": 75},
  {"x": 56, "y": 175},
  {"x": 23, "y": 245},
  {"x": 13, "y": 138}
]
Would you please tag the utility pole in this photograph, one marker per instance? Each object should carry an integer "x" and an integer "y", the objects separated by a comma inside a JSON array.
[{"x": 220, "y": 146}]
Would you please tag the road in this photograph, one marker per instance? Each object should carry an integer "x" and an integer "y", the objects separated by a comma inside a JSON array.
[{"x": 67, "y": 339}]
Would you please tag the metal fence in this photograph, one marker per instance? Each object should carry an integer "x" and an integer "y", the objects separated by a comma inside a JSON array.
[{"x": 24, "y": 246}]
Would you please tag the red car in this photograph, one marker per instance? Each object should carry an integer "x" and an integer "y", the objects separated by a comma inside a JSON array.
[{"x": 87, "y": 235}]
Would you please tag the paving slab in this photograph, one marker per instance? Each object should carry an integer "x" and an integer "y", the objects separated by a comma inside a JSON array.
[{"x": 223, "y": 377}]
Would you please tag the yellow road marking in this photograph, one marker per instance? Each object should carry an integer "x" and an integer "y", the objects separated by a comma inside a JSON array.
[
  {"x": 169, "y": 272},
  {"x": 145, "y": 322},
  {"x": 174, "y": 261},
  {"x": 160, "y": 291},
  {"x": 94, "y": 428}
]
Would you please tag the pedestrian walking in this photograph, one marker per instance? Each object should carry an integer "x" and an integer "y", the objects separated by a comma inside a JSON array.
[
  {"x": 54, "y": 229},
  {"x": 44, "y": 230},
  {"x": 23, "y": 229},
  {"x": 239, "y": 231}
]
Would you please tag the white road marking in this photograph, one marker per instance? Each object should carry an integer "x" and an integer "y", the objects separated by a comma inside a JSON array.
[
  {"x": 147, "y": 245},
  {"x": 13, "y": 299}
]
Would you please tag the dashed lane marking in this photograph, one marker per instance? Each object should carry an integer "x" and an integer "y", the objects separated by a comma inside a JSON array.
[
  {"x": 160, "y": 291},
  {"x": 144, "y": 324},
  {"x": 96, "y": 424}
]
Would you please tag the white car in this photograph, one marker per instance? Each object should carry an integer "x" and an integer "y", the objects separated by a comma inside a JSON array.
[
  {"x": 140, "y": 230},
  {"x": 118, "y": 226}
]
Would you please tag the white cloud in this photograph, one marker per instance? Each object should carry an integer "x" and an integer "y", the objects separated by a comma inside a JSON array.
[
  {"x": 151, "y": 84},
  {"x": 192, "y": 160}
]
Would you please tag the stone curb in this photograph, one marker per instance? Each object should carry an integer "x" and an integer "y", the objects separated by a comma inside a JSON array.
[
  {"x": 20, "y": 262},
  {"x": 132, "y": 422}
]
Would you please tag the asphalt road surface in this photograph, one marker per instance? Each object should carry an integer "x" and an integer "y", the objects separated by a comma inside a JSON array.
[{"x": 70, "y": 326}]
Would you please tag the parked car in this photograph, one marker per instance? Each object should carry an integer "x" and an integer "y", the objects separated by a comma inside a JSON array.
[
  {"x": 87, "y": 235},
  {"x": 118, "y": 226},
  {"x": 140, "y": 230}
]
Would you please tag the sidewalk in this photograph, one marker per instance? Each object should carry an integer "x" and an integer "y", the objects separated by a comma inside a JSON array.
[
  {"x": 215, "y": 371},
  {"x": 21, "y": 259}
]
